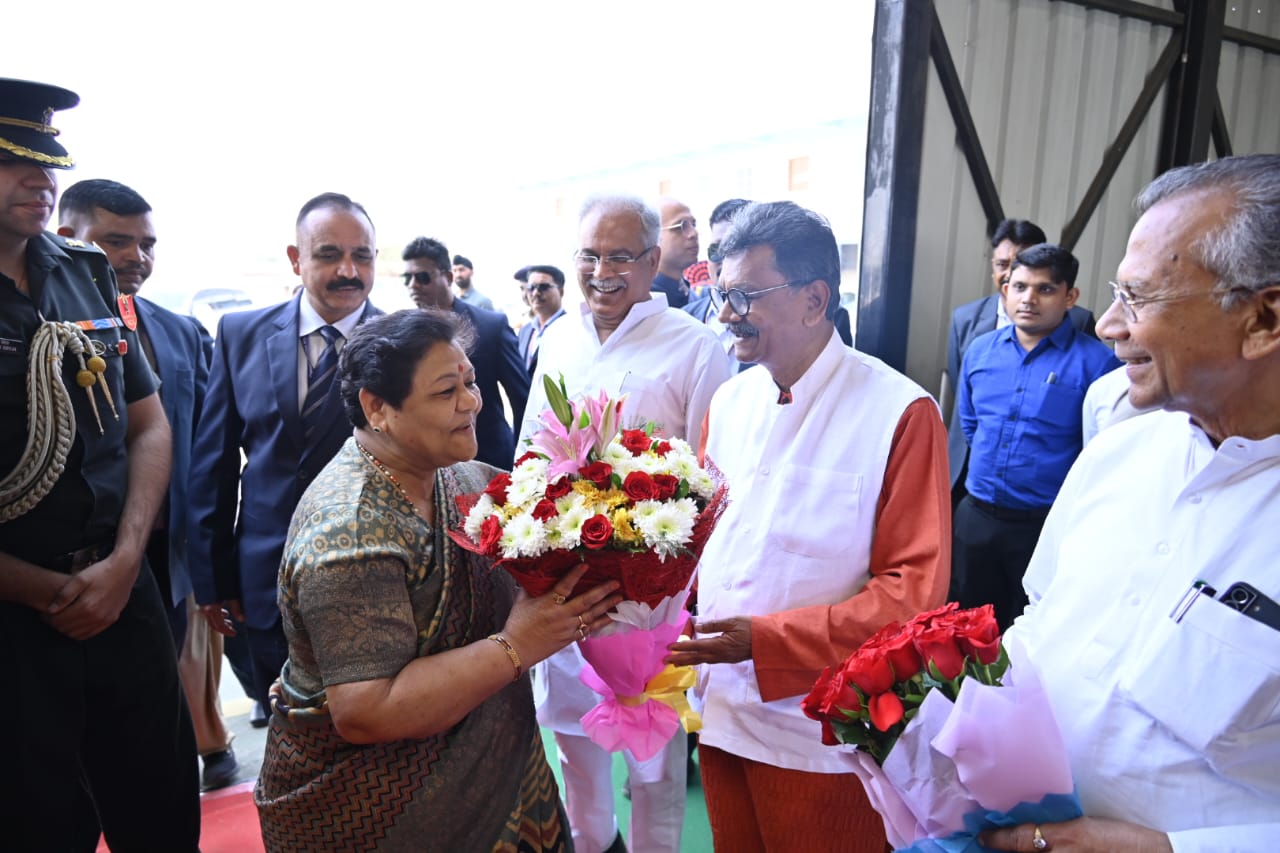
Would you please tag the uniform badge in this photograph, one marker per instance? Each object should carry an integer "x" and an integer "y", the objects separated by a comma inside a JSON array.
[
  {"x": 77, "y": 244},
  {"x": 127, "y": 313}
]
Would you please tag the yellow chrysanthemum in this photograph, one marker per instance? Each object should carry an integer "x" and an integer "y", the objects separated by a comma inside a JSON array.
[{"x": 622, "y": 528}]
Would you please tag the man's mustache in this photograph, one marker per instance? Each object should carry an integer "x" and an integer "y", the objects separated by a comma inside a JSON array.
[
  {"x": 341, "y": 283},
  {"x": 744, "y": 330}
]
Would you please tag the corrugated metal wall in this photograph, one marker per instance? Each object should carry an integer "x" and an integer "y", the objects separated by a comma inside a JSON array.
[{"x": 1049, "y": 84}]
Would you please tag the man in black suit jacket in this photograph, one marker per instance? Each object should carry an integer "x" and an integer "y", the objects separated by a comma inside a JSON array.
[
  {"x": 257, "y": 385},
  {"x": 543, "y": 289},
  {"x": 495, "y": 356},
  {"x": 984, "y": 315}
]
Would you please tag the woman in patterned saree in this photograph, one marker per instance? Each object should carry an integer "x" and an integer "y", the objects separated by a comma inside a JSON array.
[{"x": 403, "y": 719}]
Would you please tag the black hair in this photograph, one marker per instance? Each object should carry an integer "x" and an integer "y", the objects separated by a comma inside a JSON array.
[
  {"x": 556, "y": 275},
  {"x": 85, "y": 196},
  {"x": 382, "y": 354},
  {"x": 726, "y": 209},
  {"x": 1061, "y": 264},
  {"x": 432, "y": 250},
  {"x": 1019, "y": 232},
  {"x": 334, "y": 200}
]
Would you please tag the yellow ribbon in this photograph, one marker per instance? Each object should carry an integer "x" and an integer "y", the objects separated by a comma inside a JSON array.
[{"x": 668, "y": 687}]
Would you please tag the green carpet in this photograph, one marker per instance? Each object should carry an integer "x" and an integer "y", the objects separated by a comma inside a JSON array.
[{"x": 696, "y": 837}]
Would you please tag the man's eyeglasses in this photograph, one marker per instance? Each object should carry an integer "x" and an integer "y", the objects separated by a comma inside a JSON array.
[
  {"x": 542, "y": 287},
  {"x": 1121, "y": 292},
  {"x": 740, "y": 300},
  {"x": 686, "y": 227},
  {"x": 422, "y": 277},
  {"x": 589, "y": 263},
  {"x": 713, "y": 253}
]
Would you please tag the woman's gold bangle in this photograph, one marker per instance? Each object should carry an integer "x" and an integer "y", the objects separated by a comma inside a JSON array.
[{"x": 511, "y": 653}]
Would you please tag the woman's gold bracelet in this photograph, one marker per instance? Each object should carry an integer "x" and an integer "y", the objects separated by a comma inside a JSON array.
[{"x": 511, "y": 653}]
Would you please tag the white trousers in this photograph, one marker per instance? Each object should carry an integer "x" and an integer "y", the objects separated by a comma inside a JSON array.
[{"x": 657, "y": 808}]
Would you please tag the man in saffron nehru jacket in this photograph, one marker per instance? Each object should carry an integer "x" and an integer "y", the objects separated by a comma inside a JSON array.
[{"x": 838, "y": 523}]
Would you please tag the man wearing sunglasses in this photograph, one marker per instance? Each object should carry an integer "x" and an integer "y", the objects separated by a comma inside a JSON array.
[
  {"x": 543, "y": 290},
  {"x": 624, "y": 340},
  {"x": 838, "y": 523}
]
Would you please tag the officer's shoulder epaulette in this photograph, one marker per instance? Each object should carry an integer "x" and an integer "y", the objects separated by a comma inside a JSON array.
[{"x": 73, "y": 244}]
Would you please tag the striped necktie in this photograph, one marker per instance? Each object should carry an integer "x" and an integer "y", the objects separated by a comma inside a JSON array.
[{"x": 319, "y": 380}]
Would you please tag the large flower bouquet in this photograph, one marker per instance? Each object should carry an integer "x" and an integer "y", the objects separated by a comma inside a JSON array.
[
  {"x": 945, "y": 748},
  {"x": 637, "y": 508}
]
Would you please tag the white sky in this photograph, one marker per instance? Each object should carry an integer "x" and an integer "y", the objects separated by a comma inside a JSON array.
[{"x": 227, "y": 116}]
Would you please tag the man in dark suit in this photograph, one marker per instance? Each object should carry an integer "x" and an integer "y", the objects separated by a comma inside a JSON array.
[
  {"x": 118, "y": 220},
  {"x": 495, "y": 356},
  {"x": 985, "y": 315},
  {"x": 272, "y": 397},
  {"x": 543, "y": 290}
]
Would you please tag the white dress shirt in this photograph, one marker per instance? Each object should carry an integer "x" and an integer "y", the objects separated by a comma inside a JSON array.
[
  {"x": 1171, "y": 724},
  {"x": 805, "y": 480},
  {"x": 669, "y": 365},
  {"x": 312, "y": 343}
]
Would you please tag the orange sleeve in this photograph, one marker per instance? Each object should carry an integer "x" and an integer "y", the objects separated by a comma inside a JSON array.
[{"x": 910, "y": 566}]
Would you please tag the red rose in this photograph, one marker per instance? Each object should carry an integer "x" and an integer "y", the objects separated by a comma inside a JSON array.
[
  {"x": 598, "y": 473},
  {"x": 559, "y": 488},
  {"x": 938, "y": 646},
  {"x": 978, "y": 634},
  {"x": 667, "y": 486},
  {"x": 526, "y": 458},
  {"x": 497, "y": 488},
  {"x": 885, "y": 710},
  {"x": 870, "y": 670},
  {"x": 639, "y": 486},
  {"x": 662, "y": 448},
  {"x": 545, "y": 510},
  {"x": 596, "y": 532},
  {"x": 490, "y": 533},
  {"x": 818, "y": 704},
  {"x": 930, "y": 616},
  {"x": 897, "y": 644},
  {"x": 636, "y": 440}
]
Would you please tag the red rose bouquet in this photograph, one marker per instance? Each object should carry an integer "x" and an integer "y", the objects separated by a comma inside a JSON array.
[
  {"x": 637, "y": 508},
  {"x": 942, "y": 742}
]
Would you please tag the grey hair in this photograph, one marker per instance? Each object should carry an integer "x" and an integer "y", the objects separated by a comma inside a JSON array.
[
  {"x": 615, "y": 203},
  {"x": 1243, "y": 252},
  {"x": 804, "y": 247}
]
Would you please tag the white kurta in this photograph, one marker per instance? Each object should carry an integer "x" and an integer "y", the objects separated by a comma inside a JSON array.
[
  {"x": 1171, "y": 724},
  {"x": 804, "y": 484}
]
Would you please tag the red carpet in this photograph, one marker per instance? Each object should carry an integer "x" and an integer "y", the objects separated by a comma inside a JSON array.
[{"x": 228, "y": 822}]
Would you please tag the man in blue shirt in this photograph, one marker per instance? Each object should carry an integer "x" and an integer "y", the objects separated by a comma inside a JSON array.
[{"x": 1020, "y": 398}]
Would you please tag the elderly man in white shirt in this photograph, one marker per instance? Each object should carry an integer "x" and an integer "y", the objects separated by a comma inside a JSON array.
[
  {"x": 625, "y": 341},
  {"x": 839, "y": 522},
  {"x": 1169, "y": 698}
]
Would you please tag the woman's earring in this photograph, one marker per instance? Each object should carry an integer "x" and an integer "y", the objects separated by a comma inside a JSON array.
[{"x": 377, "y": 429}]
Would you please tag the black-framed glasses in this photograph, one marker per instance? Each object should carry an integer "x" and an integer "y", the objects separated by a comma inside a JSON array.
[
  {"x": 587, "y": 262},
  {"x": 713, "y": 253},
  {"x": 540, "y": 287},
  {"x": 684, "y": 226},
  {"x": 740, "y": 300},
  {"x": 421, "y": 277}
]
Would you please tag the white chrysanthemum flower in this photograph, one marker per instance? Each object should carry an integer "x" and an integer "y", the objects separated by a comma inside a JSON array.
[
  {"x": 525, "y": 491},
  {"x": 531, "y": 469},
  {"x": 569, "y": 523},
  {"x": 524, "y": 536},
  {"x": 669, "y": 528},
  {"x": 702, "y": 485},
  {"x": 570, "y": 502},
  {"x": 615, "y": 454},
  {"x": 680, "y": 447},
  {"x": 644, "y": 510},
  {"x": 482, "y": 510},
  {"x": 683, "y": 465}
]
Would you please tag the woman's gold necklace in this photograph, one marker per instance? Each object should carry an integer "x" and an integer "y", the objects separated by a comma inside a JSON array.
[{"x": 386, "y": 472}]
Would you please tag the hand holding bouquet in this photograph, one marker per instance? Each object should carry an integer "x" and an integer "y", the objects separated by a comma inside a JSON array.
[
  {"x": 636, "y": 508},
  {"x": 944, "y": 749}
]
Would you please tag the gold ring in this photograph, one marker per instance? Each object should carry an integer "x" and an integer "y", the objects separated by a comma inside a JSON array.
[
  {"x": 582, "y": 631},
  {"x": 558, "y": 598},
  {"x": 1037, "y": 840}
]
